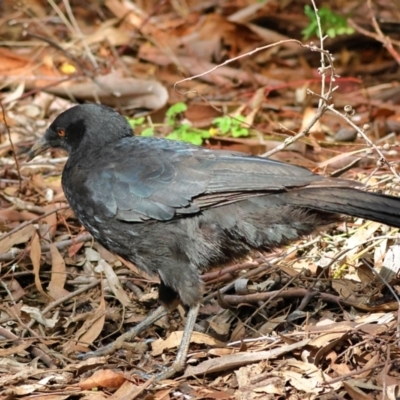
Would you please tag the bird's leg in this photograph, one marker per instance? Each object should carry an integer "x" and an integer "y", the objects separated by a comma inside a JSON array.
[
  {"x": 180, "y": 360},
  {"x": 158, "y": 313}
]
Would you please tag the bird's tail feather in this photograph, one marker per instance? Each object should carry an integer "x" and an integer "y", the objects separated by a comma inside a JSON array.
[{"x": 350, "y": 201}]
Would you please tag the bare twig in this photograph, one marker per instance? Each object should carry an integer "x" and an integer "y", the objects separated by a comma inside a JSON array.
[
  {"x": 382, "y": 159},
  {"x": 12, "y": 148},
  {"x": 379, "y": 36},
  {"x": 31, "y": 221},
  {"x": 45, "y": 248}
]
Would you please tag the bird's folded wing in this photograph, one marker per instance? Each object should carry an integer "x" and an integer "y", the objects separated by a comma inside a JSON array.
[{"x": 161, "y": 179}]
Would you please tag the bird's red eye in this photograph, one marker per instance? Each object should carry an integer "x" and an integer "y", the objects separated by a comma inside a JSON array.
[{"x": 61, "y": 132}]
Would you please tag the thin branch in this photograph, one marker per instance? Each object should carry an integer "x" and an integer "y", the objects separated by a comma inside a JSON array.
[{"x": 12, "y": 148}]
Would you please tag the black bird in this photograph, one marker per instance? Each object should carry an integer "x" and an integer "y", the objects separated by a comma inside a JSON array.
[{"x": 176, "y": 210}]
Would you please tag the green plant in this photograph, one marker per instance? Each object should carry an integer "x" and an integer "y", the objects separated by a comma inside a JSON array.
[
  {"x": 331, "y": 23},
  {"x": 187, "y": 133},
  {"x": 133, "y": 122},
  {"x": 184, "y": 131},
  {"x": 227, "y": 124},
  {"x": 174, "y": 111}
]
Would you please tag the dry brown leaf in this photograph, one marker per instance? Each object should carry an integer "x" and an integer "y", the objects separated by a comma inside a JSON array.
[
  {"x": 362, "y": 234},
  {"x": 38, "y": 316},
  {"x": 35, "y": 254},
  {"x": 328, "y": 346},
  {"x": 208, "y": 393},
  {"x": 58, "y": 274},
  {"x": 15, "y": 350},
  {"x": 49, "y": 396},
  {"x": 240, "y": 359},
  {"x": 130, "y": 391},
  {"x": 104, "y": 378},
  {"x": 248, "y": 390},
  {"x": 373, "y": 361},
  {"x": 109, "y": 31},
  {"x": 326, "y": 338},
  {"x": 340, "y": 369},
  {"x": 238, "y": 332},
  {"x": 302, "y": 383},
  {"x": 391, "y": 265},
  {"x": 9, "y": 214},
  {"x": 163, "y": 394},
  {"x": 27, "y": 389},
  {"x": 21, "y": 236},
  {"x": 16, "y": 289},
  {"x": 114, "y": 283},
  {"x": 175, "y": 338},
  {"x": 51, "y": 220},
  {"x": 355, "y": 392},
  {"x": 92, "y": 328}
]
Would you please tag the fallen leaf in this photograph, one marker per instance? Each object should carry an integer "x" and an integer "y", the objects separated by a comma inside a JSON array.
[
  {"x": 104, "y": 378},
  {"x": 92, "y": 328},
  {"x": 35, "y": 254},
  {"x": 175, "y": 338},
  {"x": 239, "y": 359},
  {"x": 114, "y": 283},
  {"x": 58, "y": 274},
  {"x": 21, "y": 236}
]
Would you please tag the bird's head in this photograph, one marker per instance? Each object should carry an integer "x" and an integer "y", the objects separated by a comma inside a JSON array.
[{"x": 80, "y": 126}]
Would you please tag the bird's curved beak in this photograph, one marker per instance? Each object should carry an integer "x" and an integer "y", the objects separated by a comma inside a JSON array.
[{"x": 39, "y": 147}]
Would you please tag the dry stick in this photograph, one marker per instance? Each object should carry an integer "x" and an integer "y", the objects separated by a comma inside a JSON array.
[
  {"x": 386, "y": 283},
  {"x": 323, "y": 99},
  {"x": 31, "y": 221},
  {"x": 45, "y": 248},
  {"x": 229, "y": 286},
  {"x": 323, "y": 67},
  {"x": 379, "y": 36},
  {"x": 277, "y": 293},
  {"x": 38, "y": 352},
  {"x": 256, "y": 50},
  {"x": 291, "y": 139},
  {"x": 382, "y": 160},
  {"x": 357, "y": 372},
  {"x": 42, "y": 88},
  {"x": 12, "y": 148},
  {"x": 35, "y": 351},
  {"x": 58, "y": 302},
  {"x": 256, "y": 271},
  {"x": 79, "y": 32}
]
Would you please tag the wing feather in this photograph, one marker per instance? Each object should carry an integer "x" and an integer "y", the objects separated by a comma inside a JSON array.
[{"x": 150, "y": 178}]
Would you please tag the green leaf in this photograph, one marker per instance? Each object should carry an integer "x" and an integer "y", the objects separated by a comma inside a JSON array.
[
  {"x": 176, "y": 109},
  {"x": 192, "y": 137},
  {"x": 240, "y": 132},
  {"x": 147, "y": 131},
  {"x": 205, "y": 134},
  {"x": 223, "y": 123},
  {"x": 173, "y": 135},
  {"x": 135, "y": 121},
  {"x": 331, "y": 23}
]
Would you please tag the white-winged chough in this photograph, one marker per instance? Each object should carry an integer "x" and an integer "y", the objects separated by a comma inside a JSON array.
[{"x": 177, "y": 210}]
